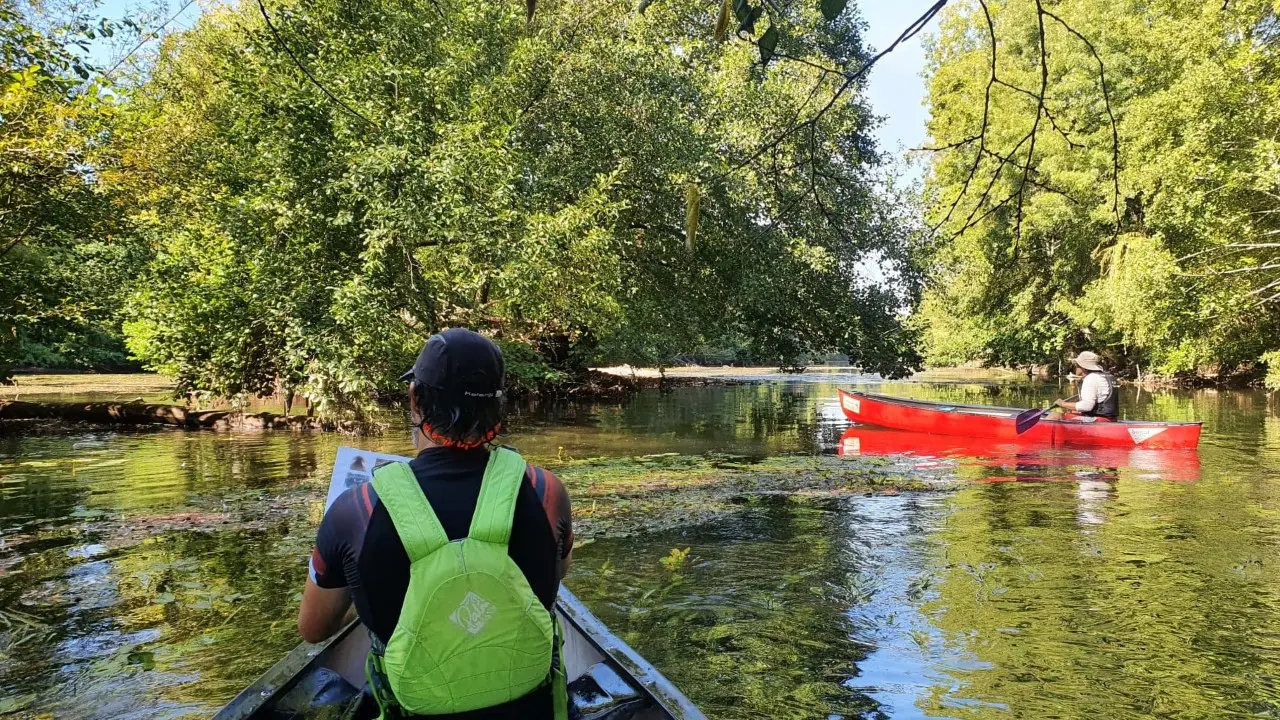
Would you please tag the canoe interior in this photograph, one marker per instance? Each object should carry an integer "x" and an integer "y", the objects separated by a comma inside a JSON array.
[
  {"x": 607, "y": 679},
  {"x": 992, "y": 410},
  {"x": 988, "y": 410}
]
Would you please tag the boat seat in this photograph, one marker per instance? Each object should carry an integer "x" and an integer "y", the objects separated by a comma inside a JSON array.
[
  {"x": 599, "y": 694},
  {"x": 314, "y": 692},
  {"x": 602, "y": 694}
]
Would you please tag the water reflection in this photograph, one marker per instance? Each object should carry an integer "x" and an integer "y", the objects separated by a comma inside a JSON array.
[
  {"x": 1053, "y": 583},
  {"x": 989, "y": 460}
]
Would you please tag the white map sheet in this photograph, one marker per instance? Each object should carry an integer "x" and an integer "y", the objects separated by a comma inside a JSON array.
[{"x": 354, "y": 466}]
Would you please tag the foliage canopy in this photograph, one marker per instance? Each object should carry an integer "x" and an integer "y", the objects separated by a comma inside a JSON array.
[
  {"x": 64, "y": 252},
  {"x": 331, "y": 187},
  {"x": 1155, "y": 244}
]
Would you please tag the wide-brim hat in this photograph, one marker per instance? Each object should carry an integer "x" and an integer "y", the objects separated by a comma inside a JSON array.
[{"x": 1088, "y": 361}]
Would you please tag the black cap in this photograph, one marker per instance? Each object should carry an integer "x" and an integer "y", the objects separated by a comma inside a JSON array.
[{"x": 460, "y": 361}]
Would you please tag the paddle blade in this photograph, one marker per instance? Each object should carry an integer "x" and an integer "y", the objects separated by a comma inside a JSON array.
[{"x": 1027, "y": 419}]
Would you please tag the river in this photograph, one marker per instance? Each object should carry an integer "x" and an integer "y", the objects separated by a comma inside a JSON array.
[{"x": 1040, "y": 583}]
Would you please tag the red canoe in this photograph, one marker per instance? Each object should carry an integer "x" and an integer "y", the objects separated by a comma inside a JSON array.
[
  {"x": 996, "y": 422},
  {"x": 1018, "y": 461}
]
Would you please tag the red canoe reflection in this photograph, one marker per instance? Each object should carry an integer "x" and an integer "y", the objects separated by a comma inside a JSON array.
[{"x": 1178, "y": 465}]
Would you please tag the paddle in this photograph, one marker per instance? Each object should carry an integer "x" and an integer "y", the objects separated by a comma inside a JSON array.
[{"x": 1027, "y": 419}]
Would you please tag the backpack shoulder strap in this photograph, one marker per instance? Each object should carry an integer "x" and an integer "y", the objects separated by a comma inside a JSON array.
[
  {"x": 496, "y": 505},
  {"x": 416, "y": 523}
]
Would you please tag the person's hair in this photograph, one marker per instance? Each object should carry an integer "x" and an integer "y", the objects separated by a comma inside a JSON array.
[{"x": 458, "y": 421}]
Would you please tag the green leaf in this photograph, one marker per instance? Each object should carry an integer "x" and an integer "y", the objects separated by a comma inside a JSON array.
[
  {"x": 722, "y": 21},
  {"x": 164, "y": 598},
  {"x": 748, "y": 23},
  {"x": 692, "y": 214},
  {"x": 768, "y": 44},
  {"x": 831, "y": 9}
]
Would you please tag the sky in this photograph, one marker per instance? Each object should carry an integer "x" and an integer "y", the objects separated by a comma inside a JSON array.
[{"x": 896, "y": 89}]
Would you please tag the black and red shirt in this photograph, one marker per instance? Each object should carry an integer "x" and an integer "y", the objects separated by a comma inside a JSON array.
[{"x": 357, "y": 546}]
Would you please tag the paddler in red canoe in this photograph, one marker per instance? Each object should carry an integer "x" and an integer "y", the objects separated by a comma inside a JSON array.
[{"x": 1098, "y": 395}]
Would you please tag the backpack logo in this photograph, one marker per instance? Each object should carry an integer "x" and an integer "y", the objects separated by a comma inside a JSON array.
[{"x": 473, "y": 613}]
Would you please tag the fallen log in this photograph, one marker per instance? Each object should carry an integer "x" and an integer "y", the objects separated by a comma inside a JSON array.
[{"x": 138, "y": 413}]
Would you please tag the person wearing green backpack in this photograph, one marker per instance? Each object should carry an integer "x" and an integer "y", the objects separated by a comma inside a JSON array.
[{"x": 453, "y": 560}]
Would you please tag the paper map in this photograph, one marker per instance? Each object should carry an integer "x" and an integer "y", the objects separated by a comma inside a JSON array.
[{"x": 354, "y": 466}]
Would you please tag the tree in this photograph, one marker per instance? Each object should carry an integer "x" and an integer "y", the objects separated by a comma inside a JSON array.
[
  {"x": 332, "y": 185},
  {"x": 63, "y": 247},
  {"x": 1125, "y": 183}
]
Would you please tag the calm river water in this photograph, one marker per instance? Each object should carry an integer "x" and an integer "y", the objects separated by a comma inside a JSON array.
[{"x": 1045, "y": 583}]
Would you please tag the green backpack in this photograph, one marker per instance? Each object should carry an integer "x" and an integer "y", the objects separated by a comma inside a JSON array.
[{"x": 472, "y": 634}]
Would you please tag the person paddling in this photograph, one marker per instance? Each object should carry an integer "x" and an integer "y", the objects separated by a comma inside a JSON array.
[
  {"x": 1098, "y": 395},
  {"x": 453, "y": 560}
]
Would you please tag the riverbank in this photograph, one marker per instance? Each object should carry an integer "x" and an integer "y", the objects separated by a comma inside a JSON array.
[{"x": 46, "y": 403}]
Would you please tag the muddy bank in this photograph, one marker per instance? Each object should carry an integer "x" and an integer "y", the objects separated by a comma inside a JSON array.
[
  {"x": 17, "y": 415},
  {"x": 46, "y": 412}
]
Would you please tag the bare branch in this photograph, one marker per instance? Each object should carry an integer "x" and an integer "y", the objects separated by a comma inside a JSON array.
[
  {"x": 1052, "y": 121},
  {"x": 1028, "y": 175},
  {"x": 1035, "y": 124},
  {"x": 1234, "y": 271},
  {"x": 280, "y": 41},
  {"x": 146, "y": 38},
  {"x": 1036, "y": 183},
  {"x": 948, "y": 146},
  {"x": 982, "y": 130},
  {"x": 849, "y": 79},
  {"x": 742, "y": 34},
  {"x": 1232, "y": 247},
  {"x": 1264, "y": 288},
  {"x": 17, "y": 239},
  {"x": 1115, "y": 131}
]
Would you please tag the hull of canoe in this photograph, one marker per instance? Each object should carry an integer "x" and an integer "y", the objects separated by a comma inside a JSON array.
[
  {"x": 1028, "y": 462},
  {"x": 608, "y": 679},
  {"x": 980, "y": 421}
]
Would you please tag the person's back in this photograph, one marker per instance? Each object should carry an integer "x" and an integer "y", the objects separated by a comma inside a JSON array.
[
  {"x": 359, "y": 547},
  {"x": 1099, "y": 397}
]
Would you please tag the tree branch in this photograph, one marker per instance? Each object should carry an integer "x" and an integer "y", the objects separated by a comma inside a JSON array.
[
  {"x": 280, "y": 41},
  {"x": 982, "y": 130},
  {"x": 849, "y": 79},
  {"x": 1035, "y": 124},
  {"x": 1115, "y": 130}
]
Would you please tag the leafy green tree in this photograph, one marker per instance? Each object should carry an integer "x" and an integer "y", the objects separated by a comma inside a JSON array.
[
  {"x": 64, "y": 251},
  {"x": 331, "y": 184},
  {"x": 1104, "y": 175}
]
